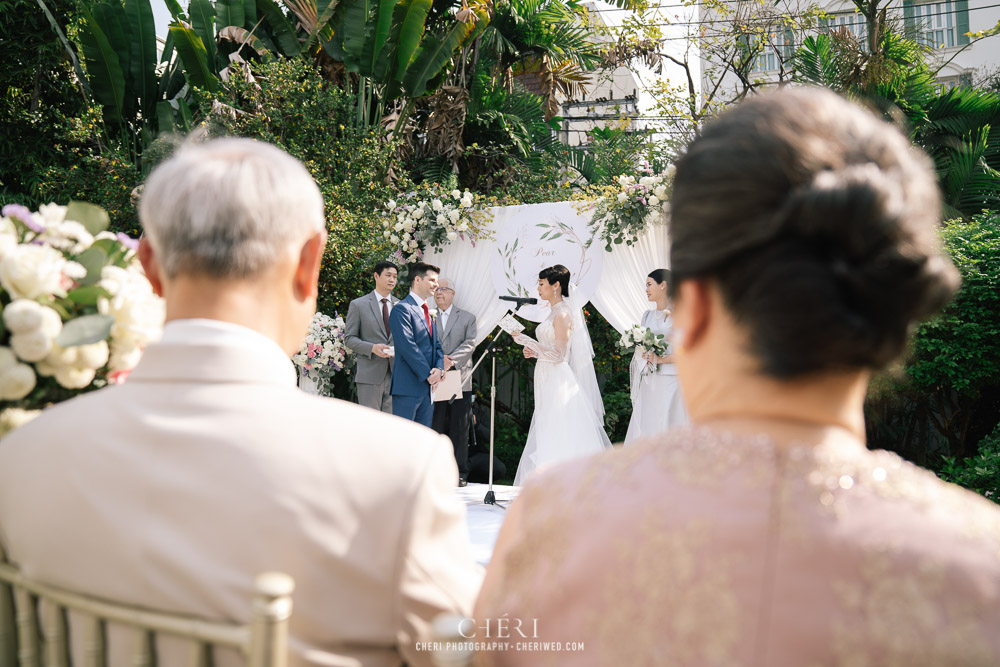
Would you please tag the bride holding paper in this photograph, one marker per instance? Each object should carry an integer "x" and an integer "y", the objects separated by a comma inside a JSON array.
[{"x": 568, "y": 418}]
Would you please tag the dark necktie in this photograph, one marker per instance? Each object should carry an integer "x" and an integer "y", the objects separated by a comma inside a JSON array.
[
  {"x": 385, "y": 316},
  {"x": 427, "y": 316}
]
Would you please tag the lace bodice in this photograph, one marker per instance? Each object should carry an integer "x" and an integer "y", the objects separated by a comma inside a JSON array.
[{"x": 554, "y": 334}]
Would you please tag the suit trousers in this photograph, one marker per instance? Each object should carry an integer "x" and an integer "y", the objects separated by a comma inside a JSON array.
[
  {"x": 418, "y": 409},
  {"x": 453, "y": 421},
  {"x": 376, "y": 396}
]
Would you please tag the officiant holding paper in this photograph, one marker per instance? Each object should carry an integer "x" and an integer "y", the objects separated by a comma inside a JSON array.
[{"x": 457, "y": 332}]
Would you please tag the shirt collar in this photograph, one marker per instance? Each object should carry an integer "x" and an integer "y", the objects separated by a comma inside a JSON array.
[
  {"x": 448, "y": 312},
  {"x": 420, "y": 302},
  {"x": 379, "y": 297}
]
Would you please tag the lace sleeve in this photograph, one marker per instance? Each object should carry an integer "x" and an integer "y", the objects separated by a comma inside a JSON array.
[{"x": 557, "y": 353}]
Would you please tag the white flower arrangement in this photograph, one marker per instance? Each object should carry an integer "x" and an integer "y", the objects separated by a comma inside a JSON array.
[
  {"x": 633, "y": 205},
  {"x": 645, "y": 339},
  {"x": 431, "y": 218},
  {"x": 323, "y": 353},
  {"x": 63, "y": 318}
]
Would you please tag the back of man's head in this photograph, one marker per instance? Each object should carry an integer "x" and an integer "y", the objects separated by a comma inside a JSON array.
[{"x": 226, "y": 208}]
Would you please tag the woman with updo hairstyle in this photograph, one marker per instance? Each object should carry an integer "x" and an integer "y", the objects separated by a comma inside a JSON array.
[
  {"x": 657, "y": 404},
  {"x": 804, "y": 248}
]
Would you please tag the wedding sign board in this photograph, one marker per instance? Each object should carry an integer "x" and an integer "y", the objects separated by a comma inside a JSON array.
[{"x": 532, "y": 237}]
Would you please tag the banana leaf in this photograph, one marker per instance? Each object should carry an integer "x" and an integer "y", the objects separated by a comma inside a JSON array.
[
  {"x": 143, "y": 60},
  {"x": 103, "y": 67}
]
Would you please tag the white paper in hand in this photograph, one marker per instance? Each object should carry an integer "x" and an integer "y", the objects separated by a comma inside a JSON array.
[{"x": 510, "y": 325}]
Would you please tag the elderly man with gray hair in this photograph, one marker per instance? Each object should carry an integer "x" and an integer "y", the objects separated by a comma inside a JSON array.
[{"x": 208, "y": 466}]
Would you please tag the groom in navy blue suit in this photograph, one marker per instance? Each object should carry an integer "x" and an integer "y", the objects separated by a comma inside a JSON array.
[{"x": 420, "y": 362}]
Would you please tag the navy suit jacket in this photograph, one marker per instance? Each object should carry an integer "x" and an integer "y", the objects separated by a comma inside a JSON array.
[{"x": 418, "y": 349}]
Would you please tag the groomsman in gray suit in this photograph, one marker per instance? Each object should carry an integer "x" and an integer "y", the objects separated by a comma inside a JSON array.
[
  {"x": 367, "y": 333},
  {"x": 457, "y": 332}
]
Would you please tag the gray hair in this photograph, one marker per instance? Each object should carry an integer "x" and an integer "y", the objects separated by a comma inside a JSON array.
[
  {"x": 451, "y": 283},
  {"x": 226, "y": 208}
]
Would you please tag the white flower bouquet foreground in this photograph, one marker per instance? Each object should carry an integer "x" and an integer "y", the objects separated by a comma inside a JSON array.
[
  {"x": 324, "y": 354},
  {"x": 77, "y": 309},
  {"x": 644, "y": 339},
  {"x": 431, "y": 218}
]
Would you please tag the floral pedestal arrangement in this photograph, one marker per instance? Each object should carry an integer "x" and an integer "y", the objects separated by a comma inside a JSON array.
[{"x": 322, "y": 355}]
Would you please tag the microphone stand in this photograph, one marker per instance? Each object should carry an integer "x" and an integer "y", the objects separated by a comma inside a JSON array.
[{"x": 491, "y": 498}]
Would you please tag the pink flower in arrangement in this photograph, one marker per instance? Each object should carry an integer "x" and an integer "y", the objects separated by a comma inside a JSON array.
[
  {"x": 311, "y": 354},
  {"x": 118, "y": 377}
]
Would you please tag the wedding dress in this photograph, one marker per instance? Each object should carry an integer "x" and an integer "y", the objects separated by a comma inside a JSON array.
[{"x": 569, "y": 413}]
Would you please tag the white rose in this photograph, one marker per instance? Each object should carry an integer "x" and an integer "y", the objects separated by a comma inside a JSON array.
[
  {"x": 22, "y": 316},
  {"x": 124, "y": 357},
  {"x": 391, "y": 204},
  {"x": 52, "y": 214},
  {"x": 660, "y": 192},
  {"x": 94, "y": 355},
  {"x": 625, "y": 180},
  {"x": 74, "y": 271},
  {"x": 400, "y": 218},
  {"x": 653, "y": 200},
  {"x": 442, "y": 220},
  {"x": 74, "y": 377},
  {"x": 437, "y": 205},
  {"x": 456, "y": 194},
  {"x": 394, "y": 239},
  {"x": 13, "y": 418},
  {"x": 33, "y": 346},
  {"x": 408, "y": 226},
  {"x": 51, "y": 322},
  {"x": 31, "y": 271},
  {"x": 71, "y": 231},
  {"x": 113, "y": 277},
  {"x": 670, "y": 171},
  {"x": 387, "y": 233},
  {"x": 8, "y": 236},
  {"x": 647, "y": 181},
  {"x": 62, "y": 356},
  {"x": 454, "y": 215},
  {"x": 7, "y": 359},
  {"x": 465, "y": 203},
  {"x": 622, "y": 197},
  {"x": 17, "y": 382},
  {"x": 464, "y": 227},
  {"x": 452, "y": 236},
  {"x": 106, "y": 236},
  {"x": 419, "y": 213},
  {"x": 398, "y": 227}
]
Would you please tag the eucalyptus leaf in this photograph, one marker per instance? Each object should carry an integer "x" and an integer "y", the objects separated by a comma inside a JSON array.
[
  {"x": 91, "y": 216},
  {"x": 85, "y": 330},
  {"x": 93, "y": 259},
  {"x": 87, "y": 296}
]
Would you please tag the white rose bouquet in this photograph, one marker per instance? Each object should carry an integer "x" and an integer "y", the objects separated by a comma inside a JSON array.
[
  {"x": 643, "y": 338},
  {"x": 324, "y": 354},
  {"x": 432, "y": 218},
  {"x": 76, "y": 307},
  {"x": 623, "y": 215}
]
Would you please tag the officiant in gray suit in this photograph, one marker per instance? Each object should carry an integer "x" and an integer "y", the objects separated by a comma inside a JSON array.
[
  {"x": 366, "y": 331},
  {"x": 457, "y": 332}
]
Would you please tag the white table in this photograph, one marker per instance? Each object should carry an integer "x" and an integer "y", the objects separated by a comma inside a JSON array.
[{"x": 484, "y": 520}]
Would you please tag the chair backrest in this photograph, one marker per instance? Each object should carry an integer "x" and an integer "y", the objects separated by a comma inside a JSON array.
[{"x": 34, "y": 625}]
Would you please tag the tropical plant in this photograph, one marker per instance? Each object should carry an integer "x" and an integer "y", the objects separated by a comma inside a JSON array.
[
  {"x": 959, "y": 128},
  {"x": 979, "y": 473}
]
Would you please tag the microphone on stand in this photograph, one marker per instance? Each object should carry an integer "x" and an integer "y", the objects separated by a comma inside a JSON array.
[{"x": 520, "y": 300}]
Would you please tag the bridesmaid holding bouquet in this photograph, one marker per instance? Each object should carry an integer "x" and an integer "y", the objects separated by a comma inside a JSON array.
[{"x": 657, "y": 404}]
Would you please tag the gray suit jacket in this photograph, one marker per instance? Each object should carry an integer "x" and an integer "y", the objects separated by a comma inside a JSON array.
[
  {"x": 363, "y": 329},
  {"x": 459, "y": 342}
]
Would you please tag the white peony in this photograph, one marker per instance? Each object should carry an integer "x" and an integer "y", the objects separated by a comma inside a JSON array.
[
  {"x": 419, "y": 213},
  {"x": 442, "y": 220},
  {"x": 647, "y": 181},
  {"x": 408, "y": 226},
  {"x": 17, "y": 382},
  {"x": 622, "y": 197},
  {"x": 625, "y": 180},
  {"x": 454, "y": 215},
  {"x": 466, "y": 202},
  {"x": 437, "y": 205},
  {"x": 653, "y": 200},
  {"x": 31, "y": 271},
  {"x": 68, "y": 235},
  {"x": 22, "y": 316},
  {"x": 394, "y": 239},
  {"x": 33, "y": 346},
  {"x": 398, "y": 227},
  {"x": 74, "y": 377},
  {"x": 94, "y": 355},
  {"x": 452, "y": 236},
  {"x": 660, "y": 192},
  {"x": 74, "y": 271},
  {"x": 464, "y": 227}
]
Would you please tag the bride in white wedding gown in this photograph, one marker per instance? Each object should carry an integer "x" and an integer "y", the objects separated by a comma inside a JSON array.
[{"x": 569, "y": 414}]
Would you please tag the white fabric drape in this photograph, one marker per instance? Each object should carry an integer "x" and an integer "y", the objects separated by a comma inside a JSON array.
[
  {"x": 620, "y": 296},
  {"x": 468, "y": 266}
]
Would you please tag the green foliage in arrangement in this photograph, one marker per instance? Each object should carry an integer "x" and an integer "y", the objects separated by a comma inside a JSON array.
[{"x": 979, "y": 473}]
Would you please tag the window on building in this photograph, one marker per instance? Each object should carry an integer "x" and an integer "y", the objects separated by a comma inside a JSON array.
[
  {"x": 938, "y": 25},
  {"x": 853, "y": 23},
  {"x": 774, "y": 49}
]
